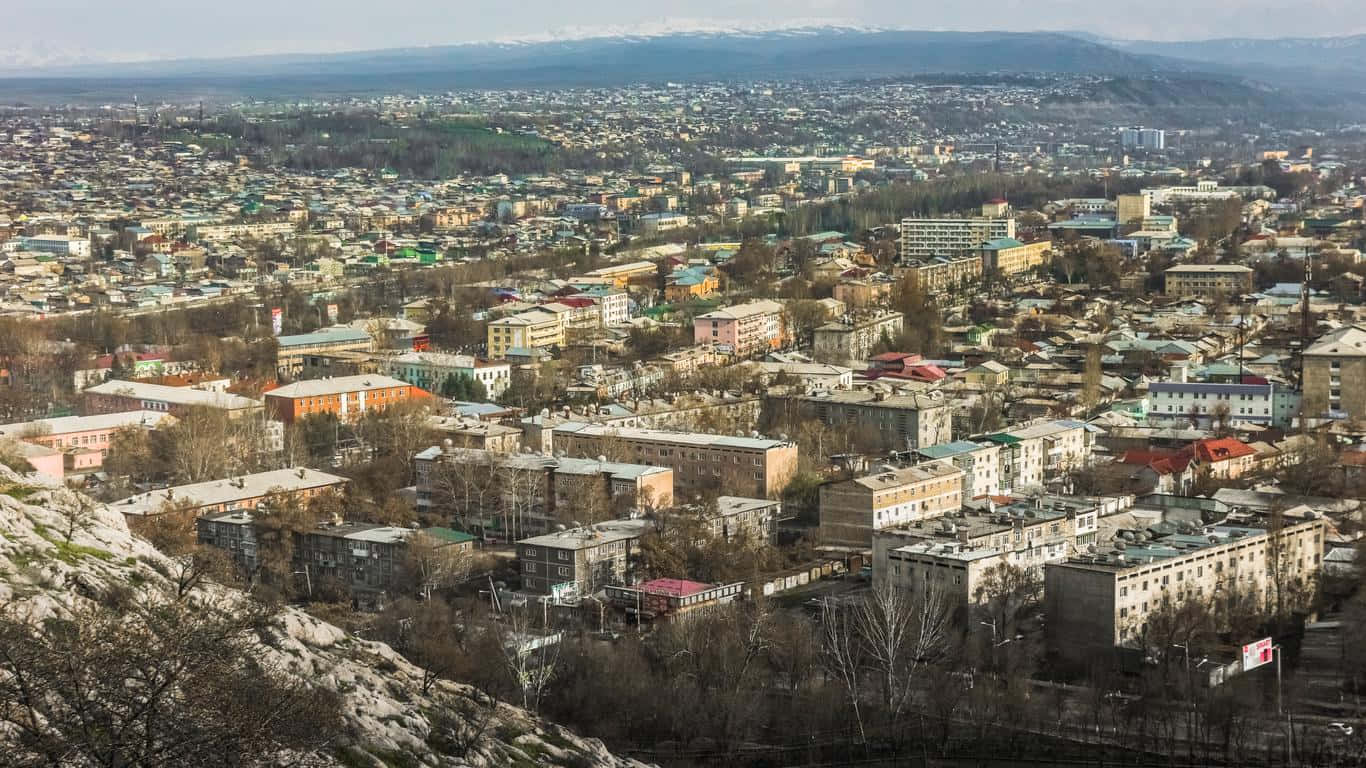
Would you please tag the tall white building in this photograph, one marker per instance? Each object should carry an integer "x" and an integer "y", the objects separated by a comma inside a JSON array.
[
  {"x": 927, "y": 238},
  {"x": 1143, "y": 138}
]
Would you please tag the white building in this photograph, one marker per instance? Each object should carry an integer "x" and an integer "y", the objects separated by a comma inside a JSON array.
[
  {"x": 430, "y": 370},
  {"x": 62, "y": 245},
  {"x": 928, "y": 238}
]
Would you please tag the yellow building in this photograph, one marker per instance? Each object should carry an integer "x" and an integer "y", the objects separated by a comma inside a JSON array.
[
  {"x": 622, "y": 275},
  {"x": 1189, "y": 280},
  {"x": 529, "y": 330},
  {"x": 1130, "y": 209},
  {"x": 1008, "y": 256}
]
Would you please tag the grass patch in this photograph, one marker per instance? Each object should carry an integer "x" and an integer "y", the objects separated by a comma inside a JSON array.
[
  {"x": 508, "y": 733},
  {"x": 69, "y": 553},
  {"x": 19, "y": 491}
]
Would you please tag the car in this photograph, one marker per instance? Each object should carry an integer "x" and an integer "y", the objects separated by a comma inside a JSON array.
[{"x": 1340, "y": 729}]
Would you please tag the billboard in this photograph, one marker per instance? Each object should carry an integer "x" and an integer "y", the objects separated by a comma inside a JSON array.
[
  {"x": 277, "y": 320},
  {"x": 1257, "y": 653},
  {"x": 331, "y": 313}
]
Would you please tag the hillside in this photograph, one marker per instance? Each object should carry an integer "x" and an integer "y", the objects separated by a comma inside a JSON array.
[
  {"x": 820, "y": 53},
  {"x": 63, "y": 559}
]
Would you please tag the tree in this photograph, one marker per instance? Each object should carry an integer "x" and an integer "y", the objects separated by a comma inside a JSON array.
[
  {"x": 465, "y": 388},
  {"x": 1092, "y": 375},
  {"x": 530, "y": 659},
  {"x": 159, "y": 683},
  {"x": 428, "y": 633},
  {"x": 431, "y": 564}
]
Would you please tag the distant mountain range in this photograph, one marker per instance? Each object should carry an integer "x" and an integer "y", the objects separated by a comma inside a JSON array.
[{"x": 816, "y": 52}]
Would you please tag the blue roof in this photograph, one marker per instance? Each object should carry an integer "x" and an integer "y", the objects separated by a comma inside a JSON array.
[
  {"x": 948, "y": 450},
  {"x": 332, "y": 336}
]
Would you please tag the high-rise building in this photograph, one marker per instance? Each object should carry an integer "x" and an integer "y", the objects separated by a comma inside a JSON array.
[
  {"x": 926, "y": 238},
  {"x": 1143, "y": 138}
]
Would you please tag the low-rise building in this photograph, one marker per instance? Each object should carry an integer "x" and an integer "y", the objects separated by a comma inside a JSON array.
[
  {"x": 1094, "y": 603},
  {"x": 853, "y": 339},
  {"x": 980, "y": 463},
  {"x": 84, "y": 441},
  {"x": 1036, "y": 453},
  {"x": 738, "y": 465},
  {"x": 347, "y": 397},
  {"x": 299, "y": 352},
  {"x": 245, "y": 492},
  {"x": 744, "y": 329},
  {"x": 118, "y": 396},
  {"x": 431, "y": 371},
  {"x": 1207, "y": 280},
  {"x": 589, "y": 558},
  {"x": 898, "y": 422},
  {"x": 852, "y": 510},
  {"x": 1009, "y": 257}
]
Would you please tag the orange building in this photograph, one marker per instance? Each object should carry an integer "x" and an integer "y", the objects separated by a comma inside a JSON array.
[{"x": 349, "y": 397}]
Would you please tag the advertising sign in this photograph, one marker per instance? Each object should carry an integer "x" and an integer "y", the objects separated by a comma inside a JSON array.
[
  {"x": 1257, "y": 653},
  {"x": 277, "y": 320}
]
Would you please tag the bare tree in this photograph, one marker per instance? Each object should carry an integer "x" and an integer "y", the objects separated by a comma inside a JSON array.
[
  {"x": 164, "y": 683},
  {"x": 432, "y": 564},
  {"x": 530, "y": 658}
]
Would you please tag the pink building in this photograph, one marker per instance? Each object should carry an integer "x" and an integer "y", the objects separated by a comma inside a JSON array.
[
  {"x": 744, "y": 329},
  {"x": 80, "y": 442}
]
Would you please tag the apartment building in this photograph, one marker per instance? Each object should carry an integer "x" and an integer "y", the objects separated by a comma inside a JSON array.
[
  {"x": 245, "y": 492},
  {"x": 898, "y": 422},
  {"x": 466, "y": 432},
  {"x": 737, "y": 465},
  {"x": 1094, "y": 603},
  {"x": 365, "y": 557},
  {"x": 118, "y": 396},
  {"x": 430, "y": 371},
  {"x": 508, "y": 496},
  {"x": 1201, "y": 403},
  {"x": 926, "y": 238},
  {"x": 1206, "y": 280},
  {"x": 588, "y": 558},
  {"x": 852, "y": 510},
  {"x": 347, "y": 397},
  {"x": 306, "y": 351},
  {"x": 980, "y": 463},
  {"x": 1036, "y": 453},
  {"x": 755, "y": 520},
  {"x": 852, "y": 339},
  {"x": 943, "y": 273},
  {"x": 213, "y": 232},
  {"x": 83, "y": 440},
  {"x": 526, "y": 331},
  {"x": 1336, "y": 357},
  {"x": 953, "y": 553},
  {"x": 744, "y": 329},
  {"x": 1008, "y": 257}
]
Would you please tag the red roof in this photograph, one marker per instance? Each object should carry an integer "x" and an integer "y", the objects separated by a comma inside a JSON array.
[
  {"x": 1161, "y": 462},
  {"x": 887, "y": 357},
  {"x": 674, "y": 587},
  {"x": 569, "y": 301},
  {"x": 996, "y": 201},
  {"x": 1219, "y": 449}
]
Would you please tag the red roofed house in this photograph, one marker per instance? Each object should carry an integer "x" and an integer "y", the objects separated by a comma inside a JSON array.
[
  {"x": 1160, "y": 471},
  {"x": 1222, "y": 458}
]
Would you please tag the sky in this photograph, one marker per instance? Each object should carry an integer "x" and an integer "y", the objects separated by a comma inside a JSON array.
[{"x": 67, "y": 31}]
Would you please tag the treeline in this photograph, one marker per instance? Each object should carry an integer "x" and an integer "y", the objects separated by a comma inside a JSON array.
[{"x": 426, "y": 148}]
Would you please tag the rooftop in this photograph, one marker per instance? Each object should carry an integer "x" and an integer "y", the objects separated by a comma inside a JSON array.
[
  {"x": 232, "y": 489},
  {"x": 183, "y": 396},
  {"x": 336, "y": 386},
  {"x": 590, "y": 535}
]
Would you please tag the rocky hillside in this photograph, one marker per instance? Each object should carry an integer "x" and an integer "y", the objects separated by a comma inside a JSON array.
[{"x": 58, "y": 553}]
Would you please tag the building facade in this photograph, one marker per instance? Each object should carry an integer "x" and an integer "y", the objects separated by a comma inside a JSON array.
[
  {"x": 737, "y": 465},
  {"x": 850, "y": 511},
  {"x": 1207, "y": 280},
  {"x": 927, "y": 238},
  {"x": 347, "y": 397},
  {"x": 744, "y": 329}
]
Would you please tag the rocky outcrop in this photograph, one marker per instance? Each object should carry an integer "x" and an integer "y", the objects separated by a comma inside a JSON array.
[{"x": 57, "y": 549}]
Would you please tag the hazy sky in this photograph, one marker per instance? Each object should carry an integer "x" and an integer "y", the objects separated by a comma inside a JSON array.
[{"x": 177, "y": 28}]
